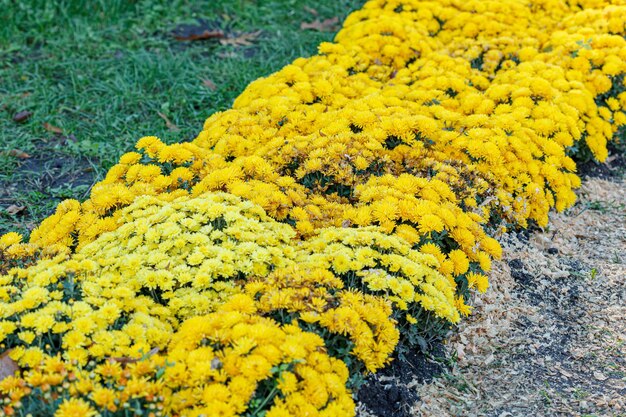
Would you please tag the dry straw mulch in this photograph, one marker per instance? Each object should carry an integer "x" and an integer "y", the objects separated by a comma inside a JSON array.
[{"x": 549, "y": 337}]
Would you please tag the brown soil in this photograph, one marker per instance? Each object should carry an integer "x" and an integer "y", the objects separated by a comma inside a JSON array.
[{"x": 391, "y": 391}]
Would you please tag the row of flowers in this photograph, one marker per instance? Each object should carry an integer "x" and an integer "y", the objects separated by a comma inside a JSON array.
[{"x": 344, "y": 209}]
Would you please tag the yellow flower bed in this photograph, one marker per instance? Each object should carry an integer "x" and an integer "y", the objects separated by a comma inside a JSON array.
[
  {"x": 345, "y": 207},
  {"x": 222, "y": 364}
]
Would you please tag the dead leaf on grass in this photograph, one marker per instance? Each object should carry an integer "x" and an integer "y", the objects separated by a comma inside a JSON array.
[
  {"x": 51, "y": 128},
  {"x": 326, "y": 25},
  {"x": 311, "y": 10},
  {"x": 8, "y": 366},
  {"x": 14, "y": 209},
  {"x": 202, "y": 31},
  {"x": 171, "y": 126},
  {"x": 241, "y": 39},
  {"x": 22, "y": 116},
  {"x": 210, "y": 84},
  {"x": 207, "y": 34},
  {"x": 19, "y": 154}
]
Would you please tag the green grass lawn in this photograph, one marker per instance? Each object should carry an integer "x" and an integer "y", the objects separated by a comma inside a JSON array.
[{"x": 98, "y": 75}]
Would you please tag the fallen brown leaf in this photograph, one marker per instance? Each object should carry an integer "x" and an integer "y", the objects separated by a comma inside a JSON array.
[
  {"x": 311, "y": 10},
  {"x": 242, "y": 39},
  {"x": 51, "y": 128},
  {"x": 13, "y": 209},
  {"x": 8, "y": 366},
  {"x": 210, "y": 84},
  {"x": 326, "y": 25},
  {"x": 207, "y": 34},
  {"x": 171, "y": 126},
  {"x": 18, "y": 154},
  {"x": 202, "y": 31},
  {"x": 22, "y": 116}
]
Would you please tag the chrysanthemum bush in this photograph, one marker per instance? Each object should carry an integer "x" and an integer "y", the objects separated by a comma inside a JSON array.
[{"x": 344, "y": 209}]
